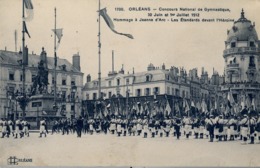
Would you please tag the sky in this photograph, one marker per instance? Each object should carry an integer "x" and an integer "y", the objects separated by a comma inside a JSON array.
[{"x": 180, "y": 44}]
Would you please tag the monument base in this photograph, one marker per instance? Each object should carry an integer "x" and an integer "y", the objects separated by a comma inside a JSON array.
[{"x": 39, "y": 107}]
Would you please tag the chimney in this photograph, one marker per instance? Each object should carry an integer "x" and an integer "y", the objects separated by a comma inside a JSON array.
[
  {"x": 88, "y": 78},
  {"x": 76, "y": 61}
]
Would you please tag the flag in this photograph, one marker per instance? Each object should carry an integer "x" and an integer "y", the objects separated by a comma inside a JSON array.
[
  {"x": 141, "y": 109},
  {"x": 109, "y": 22},
  {"x": 230, "y": 98},
  {"x": 137, "y": 109},
  {"x": 192, "y": 104},
  {"x": 29, "y": 10},
  {"x": 204, "y": 107},
  {"x": 248, "y": 102},
  {"x": 216, "y": 105},
  {"x": 59, "y": 35},
  {"x": 198, "y": 106},
  {"x": 253, "y": 104},
  {"x": 105, "y": 111},
  {"x": 187, "y": 107},
  {"x": 25, "y": 29},
  {"x": 177, "y": 108},
  {"x": 167, "y": 109}
]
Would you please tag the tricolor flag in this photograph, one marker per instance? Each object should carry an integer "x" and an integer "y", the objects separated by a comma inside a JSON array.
[
  {"x": 59, "y": 35},
  {"x": 109, "y": 22},
  {"x": 29, "y": 10}
]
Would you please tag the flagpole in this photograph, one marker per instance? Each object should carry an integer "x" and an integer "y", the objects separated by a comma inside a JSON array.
[
  {"x": 55, "y": 61},
  {"x": 23, "y": 62},
  {"x": 99, "y": 53}
]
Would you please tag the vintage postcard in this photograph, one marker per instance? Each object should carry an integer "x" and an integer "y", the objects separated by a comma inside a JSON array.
[{"x": 129, "y": 83}]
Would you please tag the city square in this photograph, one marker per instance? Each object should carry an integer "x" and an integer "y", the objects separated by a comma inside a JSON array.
[{"x": 110, "y": 150}]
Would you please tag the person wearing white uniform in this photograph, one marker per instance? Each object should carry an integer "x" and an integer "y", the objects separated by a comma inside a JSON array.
[
  {"x": 119, "y": 126},
  {"x": 43, "y": 128},
  {"x": 187, "y": 126},
  {"x": 145, "y": 126},
  {"x": 11, "y": 127},
  {"x": 139, "y": 126},
  {"x": 25, "y": 128},
  {"x": 91, "y": 123},
  {"x": 4, "y": 129},
  {"x": 18, "y": 127}
]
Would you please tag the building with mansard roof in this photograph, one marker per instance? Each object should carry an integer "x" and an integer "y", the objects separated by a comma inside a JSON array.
[
  {"x": 69, "y": 82},
  {"x": 242, "y": 63}
]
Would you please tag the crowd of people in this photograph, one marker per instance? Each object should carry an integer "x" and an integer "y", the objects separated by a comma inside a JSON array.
[{"x": 216, "y": 128}]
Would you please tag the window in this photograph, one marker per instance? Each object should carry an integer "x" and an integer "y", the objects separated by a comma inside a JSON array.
[
  {"x": 172, "y": 91},
  {"x": 63, "y": 82},
  {"x": 147, "y": 78},
  {"x": 72, "y": 108},
  {"x": 87, "y": 96},
  {"x": 72, "y": 83},
  {"x": 21, "y": 77},
  {"x": 138, "y": 92},
  {"x": 156, "y": 90},
  {"x": 63, "y": 95},
  {"x": 177, "y": 92},
  {"x": 252, "y": 44},
  {"x": 94, "y": 96},
  {"x": 11, "y": 76},
  {"x": 168, "y": 90},
  {"x": 109, "y": 94},
  {"x": 52, "y": 80},
  {"x": 109, "y": 83},
  {"x": 147, "y": 91},
  {"x": 127, "y": 81},
  {"x": 233, "y": 44},
  {"x": 183, "y": 94},
  {"x": 252, "y": 60},
  {"x": 118, "y": 82}
]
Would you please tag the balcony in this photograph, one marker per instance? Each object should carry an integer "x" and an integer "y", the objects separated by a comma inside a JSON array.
[
  {"x": 241, "y": 50},
  {"x": 241, "y": 86},
  {"x": 233, "y": 65}
]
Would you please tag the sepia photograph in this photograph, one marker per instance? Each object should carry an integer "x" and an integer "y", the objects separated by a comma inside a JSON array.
[{"x": 129, "y": 83}]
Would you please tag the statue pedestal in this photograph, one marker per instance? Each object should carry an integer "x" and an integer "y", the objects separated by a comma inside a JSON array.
[{"x": 41, "y": 106}]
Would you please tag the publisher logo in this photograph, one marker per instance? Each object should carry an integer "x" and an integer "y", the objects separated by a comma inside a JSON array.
[{"x": 13, "y": 160}]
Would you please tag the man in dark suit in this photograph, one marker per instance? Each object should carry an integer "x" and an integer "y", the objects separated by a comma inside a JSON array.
[{"x": 79, "y": 126}]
